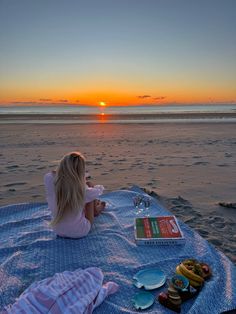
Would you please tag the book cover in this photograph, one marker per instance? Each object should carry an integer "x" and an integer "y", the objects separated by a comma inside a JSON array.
[{"x": 158, "y": 230}]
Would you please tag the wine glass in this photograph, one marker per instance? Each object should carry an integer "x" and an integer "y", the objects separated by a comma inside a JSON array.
[
  {"x": 137, "y": 200},
  {"x": 147, "y": 203}
]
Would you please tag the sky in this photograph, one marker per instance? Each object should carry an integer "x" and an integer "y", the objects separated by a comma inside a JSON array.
[{"x": 120, "y": 52}]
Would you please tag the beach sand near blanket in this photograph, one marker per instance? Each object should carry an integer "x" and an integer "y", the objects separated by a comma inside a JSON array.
[{"x": 191, "y": 167}]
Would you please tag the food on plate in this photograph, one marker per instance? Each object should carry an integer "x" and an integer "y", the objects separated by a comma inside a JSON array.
[
  {"x": 195, "y": 271},
  {"x": 173, "y": 295},
  {"x": 190, "y": 277},
  {"x": 180, "y": 282},
  {"x": 171, "y": 300}
]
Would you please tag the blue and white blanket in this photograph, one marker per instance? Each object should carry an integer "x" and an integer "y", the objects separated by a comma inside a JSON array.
[{"x": 30, "y": 251}]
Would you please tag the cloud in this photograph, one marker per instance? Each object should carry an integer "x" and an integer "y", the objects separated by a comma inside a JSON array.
[
  {"x": 222, "y": 102},
  {"x": 25, "y": 102},
  {"x": 40, "y": 103},
  {"x": 159, "y": 98},
  {"x": 63, "y": 100},
  {"x": 77, "y": 100},
  {"x": 45, "y": 99},
  {"x": 144, "y": 96},
  {"x": 233, "y": 101}
]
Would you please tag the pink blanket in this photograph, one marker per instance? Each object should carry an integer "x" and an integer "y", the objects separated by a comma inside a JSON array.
[{"x": 77, "y": 292}]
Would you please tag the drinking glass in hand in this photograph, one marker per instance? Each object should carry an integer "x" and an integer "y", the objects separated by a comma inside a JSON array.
[
  {"x": 137, "y": 200},
  {"x": 147, "y": 203}
]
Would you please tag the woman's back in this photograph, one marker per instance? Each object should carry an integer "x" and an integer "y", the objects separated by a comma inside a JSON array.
[{"x": 74, "y": 224}]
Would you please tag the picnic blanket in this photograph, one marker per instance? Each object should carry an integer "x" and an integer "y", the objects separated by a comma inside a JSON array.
[{"x": 30, "y": 251}]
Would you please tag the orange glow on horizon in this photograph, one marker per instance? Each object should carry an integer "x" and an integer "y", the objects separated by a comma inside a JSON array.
[
  {"x": 119, "y": 91},
  {"x": 183, "y": 96}
]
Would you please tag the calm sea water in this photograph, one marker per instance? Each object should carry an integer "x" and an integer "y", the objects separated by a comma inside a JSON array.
[
  {"x": 120, "y": 114},
  {"x": 127, "y": 110}
]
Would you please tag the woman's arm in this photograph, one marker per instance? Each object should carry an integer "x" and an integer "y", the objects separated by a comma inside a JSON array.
[{"x": 91, "y": 193}]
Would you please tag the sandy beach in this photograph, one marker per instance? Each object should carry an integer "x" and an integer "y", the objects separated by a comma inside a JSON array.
[{"x": 191, "y": 167}]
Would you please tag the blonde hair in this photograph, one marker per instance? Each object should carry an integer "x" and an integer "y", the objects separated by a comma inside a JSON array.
[{"x": 69, "y": 185}]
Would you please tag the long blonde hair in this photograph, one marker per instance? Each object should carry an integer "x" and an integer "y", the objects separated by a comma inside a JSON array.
[{"x": 69, "y": 185}]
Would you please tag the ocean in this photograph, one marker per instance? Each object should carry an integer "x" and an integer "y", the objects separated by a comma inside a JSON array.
[
  {"x": 117, "y": 114},
  {"x": 76, "y": 109}
]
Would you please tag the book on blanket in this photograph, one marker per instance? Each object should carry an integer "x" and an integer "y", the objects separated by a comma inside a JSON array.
[{"x": 160, "y": 230}]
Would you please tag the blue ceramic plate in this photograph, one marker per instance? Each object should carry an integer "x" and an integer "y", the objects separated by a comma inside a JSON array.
[
  {"x": 183, "y": 282},
  {"x": 143, "y": 300},
  {"x": 151, "y": 278}
]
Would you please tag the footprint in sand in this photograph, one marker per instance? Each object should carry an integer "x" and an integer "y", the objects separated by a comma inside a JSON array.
[
  {"x": 190, "y": 220},
  {"x": 227, "y": 204},
  {"x": 219, "y": 225},
  {"x": 187, "y": 207},
  {"x": 177, "y": 206},
  {"x": 218, "y": 219},
  {"x": 14, "y": 184},
  {"x": 36, "y": 195},
  {"x": 179, "y": 201},
  {"x": 202, "y": 232},
  {"x": 12, "y": 167},
  {"x": 203, "y": 163},
  {"x": 215, "y": 241}
]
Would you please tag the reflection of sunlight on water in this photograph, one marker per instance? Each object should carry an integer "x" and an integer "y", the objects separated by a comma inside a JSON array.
[{"x": 102, "y": 117}]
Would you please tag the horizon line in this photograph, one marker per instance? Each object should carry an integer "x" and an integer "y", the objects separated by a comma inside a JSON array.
[{"x": 71, "y": 104}]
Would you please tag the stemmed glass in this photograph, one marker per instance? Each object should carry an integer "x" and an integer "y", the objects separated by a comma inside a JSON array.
[
  {"x": 147, "y": 203},
  {"x": 137, "y": 200}
]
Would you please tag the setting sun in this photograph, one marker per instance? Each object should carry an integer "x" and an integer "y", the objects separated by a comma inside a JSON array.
[{"x": 102, "y": 104}]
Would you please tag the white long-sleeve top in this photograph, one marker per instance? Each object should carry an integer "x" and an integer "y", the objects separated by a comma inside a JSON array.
[{"x": 74, "y": 224}]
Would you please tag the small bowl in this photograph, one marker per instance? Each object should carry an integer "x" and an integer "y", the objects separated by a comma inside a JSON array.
[{"x": 180, "y": 282}]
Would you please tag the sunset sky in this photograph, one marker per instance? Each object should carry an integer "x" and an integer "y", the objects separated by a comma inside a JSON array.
[{"x": 121, "y": 52}]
